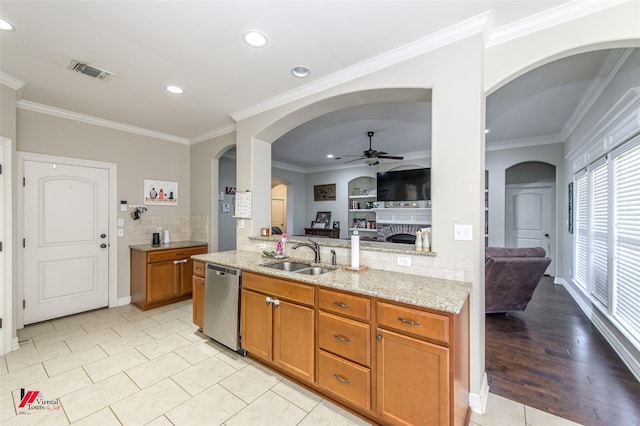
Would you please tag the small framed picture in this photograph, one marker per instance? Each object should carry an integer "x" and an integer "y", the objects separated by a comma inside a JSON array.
[
  {"x": 318, "y": 225},
  {"x": 324, "y": 217},
  {"x": 336, "y": 224},
  {"x": 359, "y": 223}
]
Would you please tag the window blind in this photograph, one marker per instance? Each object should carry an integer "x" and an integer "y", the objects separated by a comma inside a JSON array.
[
  {"x": 600, "y": 233},
  {"x": 581, "y": 230},
  {"x": 626, "y": 285}
]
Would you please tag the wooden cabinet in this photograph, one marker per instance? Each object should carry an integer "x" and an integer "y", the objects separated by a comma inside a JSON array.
[
  {"x": 198, "y": 292},
  {"x": 327, "y": 233},
  {"x": 422, "y": 366},
  {"x": 278, "y": 324},
  {"x": 344, "y": 347},
  {"x": 161, "y": 277}
]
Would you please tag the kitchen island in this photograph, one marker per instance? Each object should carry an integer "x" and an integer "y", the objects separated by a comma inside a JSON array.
[{"x": 391, "y": 347}]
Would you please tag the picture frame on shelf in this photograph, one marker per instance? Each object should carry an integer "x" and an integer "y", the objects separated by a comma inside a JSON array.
[
  {"x": 336, "y": 224},
  {"x": 324, "y": 217},
  {"x": 318, "y": 225},
  {"x": 359, "y": 223}
]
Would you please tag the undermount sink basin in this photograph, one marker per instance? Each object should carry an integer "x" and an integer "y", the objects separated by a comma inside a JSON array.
[
  {"x": 314, "y": 270},
  {"x": 287, "y": 266}
]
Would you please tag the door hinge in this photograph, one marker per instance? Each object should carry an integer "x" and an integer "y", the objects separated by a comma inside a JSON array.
[
  {"x": 0, "y": 322},
  {"x": 0, "y": 245},
  {"x": 0, "y": 169},
  {"x": 24, "y": 304},
  {"x": 24, "y": 181},
  {"x": 24, "y": 242}
]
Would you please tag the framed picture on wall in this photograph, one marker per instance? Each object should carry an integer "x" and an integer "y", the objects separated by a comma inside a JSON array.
[{"x": 160, "y": 192}]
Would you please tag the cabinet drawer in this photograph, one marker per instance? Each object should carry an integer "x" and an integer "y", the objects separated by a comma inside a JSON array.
[
  {"x": 344, "y": 304},
  {"x": 198, "y": 268},
  {"x": 413, "y": 321},
  {"x": 347, "y": 338},
  {"x": 174, "y": 254},
  {"x": 275, "y": 287},
  {"x": 345, "y": 379}
]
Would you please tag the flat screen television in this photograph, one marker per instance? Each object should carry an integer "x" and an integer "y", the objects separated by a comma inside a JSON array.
[{"x": 404, "y": 185}]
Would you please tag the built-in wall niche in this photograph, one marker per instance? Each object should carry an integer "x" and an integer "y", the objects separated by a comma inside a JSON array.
[{"x": 362, "y": 199}]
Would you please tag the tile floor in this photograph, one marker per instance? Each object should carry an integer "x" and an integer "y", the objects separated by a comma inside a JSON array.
[{"x": 124, "y": 366}]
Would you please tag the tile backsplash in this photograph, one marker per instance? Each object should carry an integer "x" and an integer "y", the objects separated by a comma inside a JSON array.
[{"x": 181, "y": 228}]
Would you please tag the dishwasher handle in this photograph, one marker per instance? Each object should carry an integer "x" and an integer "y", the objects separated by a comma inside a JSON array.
[{"x": 222, "y": 270}]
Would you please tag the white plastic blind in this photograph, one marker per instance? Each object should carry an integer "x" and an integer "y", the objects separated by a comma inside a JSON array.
[
  {"x": 600, "y": 233},
  {"x": 581, "y": 231},
  {"x": 626, "y": 285}
]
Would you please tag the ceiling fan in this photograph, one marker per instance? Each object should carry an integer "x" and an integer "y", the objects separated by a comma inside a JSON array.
[{"x": 370, "y": 155}]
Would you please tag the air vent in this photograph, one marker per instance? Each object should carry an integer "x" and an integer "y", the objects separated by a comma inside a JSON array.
[{"x": 89, "y": 70}]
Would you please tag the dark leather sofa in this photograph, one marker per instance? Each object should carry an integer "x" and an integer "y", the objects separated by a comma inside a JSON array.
[{"x": 511, "y": 276}]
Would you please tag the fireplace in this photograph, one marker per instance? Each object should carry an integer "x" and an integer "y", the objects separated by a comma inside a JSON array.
[{"x": 399, "y": 233}]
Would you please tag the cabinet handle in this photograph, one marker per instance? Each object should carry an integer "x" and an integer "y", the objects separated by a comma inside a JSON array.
[
  {"x": 341, "y": 338},
  {"x": 268, "y": 300},
  {"x": 276, "y": 303},
  {"x": 341, "y": 305},
  {"x": 379, "y": 338},
  {"x": 176, "y": 262},
  {"x": 340, "y": 378},
  {"x": 408, "y": 322}
]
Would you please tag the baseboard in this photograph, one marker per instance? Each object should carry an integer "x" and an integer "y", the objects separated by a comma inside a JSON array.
[
  {"x": 478, "y": 402},
  {"x": 560, "y": 281},
  {"x": 608, "y": 331},
  {"x": 15, "y": 344},
  {"x": 123, "y": 301}
]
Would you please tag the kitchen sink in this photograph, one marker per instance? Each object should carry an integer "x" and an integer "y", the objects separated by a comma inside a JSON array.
[
  {"x": 287, "y": 265},
  {"x": 314, "y": 270}
]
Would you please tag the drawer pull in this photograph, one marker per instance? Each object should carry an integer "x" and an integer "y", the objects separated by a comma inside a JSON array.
[
  {"x": 408, "y": 322},
  {"x": 341, "y": 338},
  {"x": 175, "y": 262},
  {"x": 340, "y": 378},
  {"x": 342, "y": 305}
]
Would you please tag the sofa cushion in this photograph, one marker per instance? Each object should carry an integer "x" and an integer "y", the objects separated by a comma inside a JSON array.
[{"x": 513, "y": 252}]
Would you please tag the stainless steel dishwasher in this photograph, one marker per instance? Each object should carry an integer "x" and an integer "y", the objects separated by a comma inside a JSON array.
[{"x": 222, "y": 306}]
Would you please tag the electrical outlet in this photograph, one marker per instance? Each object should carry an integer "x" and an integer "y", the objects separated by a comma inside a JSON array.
[
  {"x": 403, "y": 260},
  {"x": 462, "y": 232},
  {"x": 120, "y": 223},
  {"x": 262, "y": 245}
]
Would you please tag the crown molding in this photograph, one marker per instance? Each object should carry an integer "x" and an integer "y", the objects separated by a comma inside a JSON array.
[
  {"x": 548, "y": 18},
  {"x": 606, "y": 73},
  {"x": 220, "y": 131},
  {"x": 10, "y": 81},
  {"x": 525, "y": 142},
  {"x": 70, "y": 115},
  {"x": 289, "y": 167},
  {"x": 434, "y": 41}
]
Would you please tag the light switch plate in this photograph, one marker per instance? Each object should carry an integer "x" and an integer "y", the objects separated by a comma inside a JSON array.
[
  {"x": 120, "y": 223},
  {"x": 120, "y": 232},
  {"x": 241, "y": 224},
  {"x": 462, "y": 232},
  {"x": 403, "y": 260}
]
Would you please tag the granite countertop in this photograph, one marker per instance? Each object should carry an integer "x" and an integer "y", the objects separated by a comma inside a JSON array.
[
  {"x": 174, "y": 245},
  {"x": 433, "y": 293}
]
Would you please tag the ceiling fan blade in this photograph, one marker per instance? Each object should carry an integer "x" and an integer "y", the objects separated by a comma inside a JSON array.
[
  {"x": 341, "y": 156},
  {"x": 391, "y": 157},
  {"x": 355, "y": 159},
  {"x": 380, "y": 153}
]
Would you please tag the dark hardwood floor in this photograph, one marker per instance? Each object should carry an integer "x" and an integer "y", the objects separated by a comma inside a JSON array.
[{"x": 552, "y": 358}]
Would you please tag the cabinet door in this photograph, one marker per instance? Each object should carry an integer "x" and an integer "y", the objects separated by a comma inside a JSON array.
[
  {"x": 293, "y": 340},
  {"x": 186, "y": 272},
  {"x": 257, "y": 325},
  {"x": 413, "y": 380},
  {"x": 162, "y": 281},
  {"x": 198, "y": 300}
]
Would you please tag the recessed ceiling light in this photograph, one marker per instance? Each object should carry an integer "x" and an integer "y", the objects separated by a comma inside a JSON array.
[
  {"x": 6, "y": 25},
  {"x": 300, "y": 71},
  {"x": 175, "y": 89},
  {"x": 486, "y": 131},
  {"x": 255, "y": 39},
  {"x": 329, "y": 155}
]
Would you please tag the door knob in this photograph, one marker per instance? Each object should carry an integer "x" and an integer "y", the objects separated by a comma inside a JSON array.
[
  {"x": 546, "y": 235},
  {"x": 103, "y": 235},
  {"x": 103, "y": 245}
]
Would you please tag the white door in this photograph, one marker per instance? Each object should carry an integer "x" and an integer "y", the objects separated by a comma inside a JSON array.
[
  {"x": 66, "y": 253},
  {"x": 529, "y": 218}
]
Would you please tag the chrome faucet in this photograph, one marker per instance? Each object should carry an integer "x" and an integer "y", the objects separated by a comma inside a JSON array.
[
  {"x": 333, "y": 258},
  {"x": 313, "y": 246}
]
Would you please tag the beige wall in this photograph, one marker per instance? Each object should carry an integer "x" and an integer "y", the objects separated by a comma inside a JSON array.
[{"x": 137, "y": 158}]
